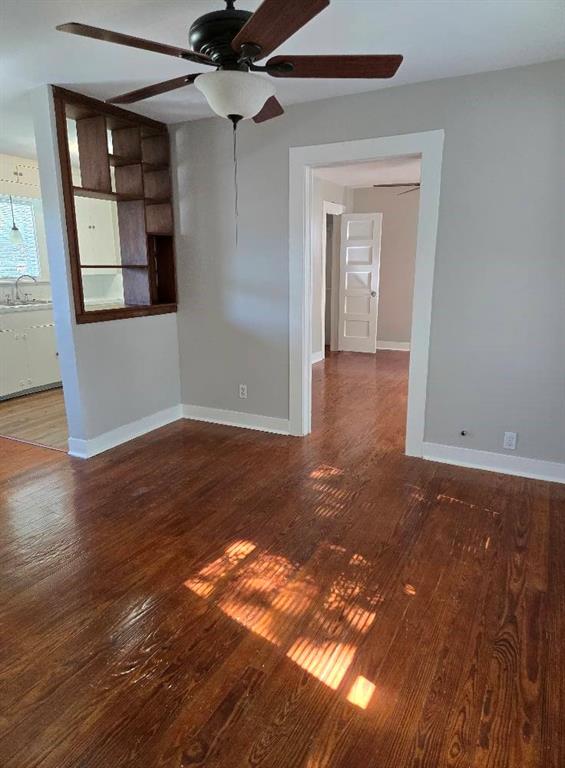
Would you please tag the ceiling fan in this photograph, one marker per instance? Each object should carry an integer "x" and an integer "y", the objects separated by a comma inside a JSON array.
[{"x": 232, "y": 41}]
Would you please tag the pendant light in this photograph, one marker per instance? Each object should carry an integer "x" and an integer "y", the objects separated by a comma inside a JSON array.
[{"x": 15, "y": 234}]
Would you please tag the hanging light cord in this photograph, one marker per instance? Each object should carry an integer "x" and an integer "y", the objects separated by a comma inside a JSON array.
[
  {"x": 235, "y": 179},
  {"x": 12, "y": 207}
]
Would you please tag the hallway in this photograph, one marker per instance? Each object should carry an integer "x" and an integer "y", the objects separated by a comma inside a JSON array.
[{"x": 213, "y": 596}]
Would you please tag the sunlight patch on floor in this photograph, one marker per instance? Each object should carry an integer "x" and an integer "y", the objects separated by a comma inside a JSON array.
[
  {"x": 328, "y": 661},
  {"x": 205, "y": 581},
  {"x": 318, "y": 624},
  {"x": 361, "y": 692}
]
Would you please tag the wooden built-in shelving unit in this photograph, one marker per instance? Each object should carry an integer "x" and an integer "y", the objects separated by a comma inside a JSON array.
[{"x": 123, "y": 157}]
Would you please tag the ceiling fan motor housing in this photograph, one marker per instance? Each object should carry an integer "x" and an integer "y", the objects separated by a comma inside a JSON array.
[{"x": 213, "y": 33}]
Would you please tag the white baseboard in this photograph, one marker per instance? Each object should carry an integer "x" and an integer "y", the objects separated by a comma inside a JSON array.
[
  {"x": 495, "y": 462},
  {"x": 317, "y": 357},
  {"x": 397, "y": 346},
  {"x": 84, "y": 449},
  {"x": 237, "y": 419}
]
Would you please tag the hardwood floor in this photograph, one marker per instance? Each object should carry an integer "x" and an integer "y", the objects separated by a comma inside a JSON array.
[
  {"x": 38, "y": 418},
  {"x": 210, "y": 596}
]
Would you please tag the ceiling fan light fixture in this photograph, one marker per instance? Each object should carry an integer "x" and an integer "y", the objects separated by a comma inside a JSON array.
[{"x": 234, "y": 93}]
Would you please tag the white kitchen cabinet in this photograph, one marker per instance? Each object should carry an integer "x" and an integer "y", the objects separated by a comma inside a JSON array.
[
  {"x": 28, "y": 355},
  {"x": 14, "y": 370},
  {"x": 27, "y": 174},
  {"x": 42, "y": 359},
  {"x": 21, "y": 320},
  {"x": 97, "y": 233},
  {"x": 8, "y": 170},
  {"x": 20, "y": 171}
]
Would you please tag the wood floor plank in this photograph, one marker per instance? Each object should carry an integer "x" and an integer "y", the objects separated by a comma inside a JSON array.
[
  {"x": 210, "y": 596},
  {"x": 38, "y": 418}
]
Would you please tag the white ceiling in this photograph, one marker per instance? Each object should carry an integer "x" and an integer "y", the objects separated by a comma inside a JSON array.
[
  {"x": 438, "y": 38},
  {"x": 394, "y": 170}
]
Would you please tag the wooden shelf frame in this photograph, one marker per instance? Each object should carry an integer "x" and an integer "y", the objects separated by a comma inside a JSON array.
[
  {"x": 114, "y": 266},
  {"x": 140, "y": 157},
  {"x": 99, "y": 195}
]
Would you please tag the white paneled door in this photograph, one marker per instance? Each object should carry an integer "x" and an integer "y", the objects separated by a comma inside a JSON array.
[{"x": 360, "y": 256}]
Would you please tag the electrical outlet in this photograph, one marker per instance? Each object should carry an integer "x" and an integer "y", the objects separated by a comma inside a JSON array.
[
  {"x": 243, "y": 391},
  {"x": 510, "y": 440}
]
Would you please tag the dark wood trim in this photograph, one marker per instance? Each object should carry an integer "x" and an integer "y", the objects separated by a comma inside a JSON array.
[
  {"x": 108, "y": 109},
  {"x": 84, "y": 192},
  {"x": 122, "y": 313},
  {"x": 113, "y": 266},
  {"x": 68, "y": 198}
]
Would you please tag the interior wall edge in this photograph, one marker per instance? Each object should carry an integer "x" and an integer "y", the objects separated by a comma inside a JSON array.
[
  {"x": 85, "y": 449},
  {"x": 42, "y": 103}
]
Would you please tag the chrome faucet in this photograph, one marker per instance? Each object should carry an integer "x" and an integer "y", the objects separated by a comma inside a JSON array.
[{"x": 17, "y": 288}]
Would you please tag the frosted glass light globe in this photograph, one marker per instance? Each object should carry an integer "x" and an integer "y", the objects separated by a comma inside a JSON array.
[{"x": 229, "y": 92}]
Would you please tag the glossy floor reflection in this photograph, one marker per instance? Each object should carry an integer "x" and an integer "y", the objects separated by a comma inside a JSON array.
[{"x": 208, "y": 596}]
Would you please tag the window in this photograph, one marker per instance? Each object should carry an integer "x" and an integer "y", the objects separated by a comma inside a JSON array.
[{"x": 16, "y": 260}]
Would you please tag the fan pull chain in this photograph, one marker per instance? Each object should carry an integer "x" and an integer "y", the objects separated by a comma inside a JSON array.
[{"x": 235, "y": 180}]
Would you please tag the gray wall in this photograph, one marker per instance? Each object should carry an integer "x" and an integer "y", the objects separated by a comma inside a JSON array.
[
  {"x": 496, "y": 358},
  {"x": 398, "y": 253}
]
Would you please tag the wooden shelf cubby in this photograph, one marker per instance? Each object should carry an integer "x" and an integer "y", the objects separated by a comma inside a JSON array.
[
  {"x": 126, "y": 144},
  {"x": 155, "y": 149},
  {"x": 123, "y": 158},
  {"x": 159, "y": 218},
  {"x": 157, "y": 184}
]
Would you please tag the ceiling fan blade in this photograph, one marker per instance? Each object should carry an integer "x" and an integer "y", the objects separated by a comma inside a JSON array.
[
  {"x": 153, "y": 90},
  {"x": 272, "y": 108},
  {"x": 335, "y": 66},
  {"x": 97, "y": 33},
  {"x": 275, "y": 21}
]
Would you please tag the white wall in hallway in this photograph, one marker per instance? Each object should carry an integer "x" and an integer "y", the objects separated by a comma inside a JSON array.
[{"x": 498, "y": 310}]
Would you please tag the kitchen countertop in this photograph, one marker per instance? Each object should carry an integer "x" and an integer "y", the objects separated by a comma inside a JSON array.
[{"x": 6, "y": 309}]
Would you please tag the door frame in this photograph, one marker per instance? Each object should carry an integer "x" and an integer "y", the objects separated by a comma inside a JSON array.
[
  {"x": 302, "y": 162},
  {"x": 332, "y": 209}
]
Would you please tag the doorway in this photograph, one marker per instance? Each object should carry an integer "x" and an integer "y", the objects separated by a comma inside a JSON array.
[
  {"x": 32, "y": 407},
  {"x": 323, "y": 266},
  {"x": 304, "y": 161}
]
